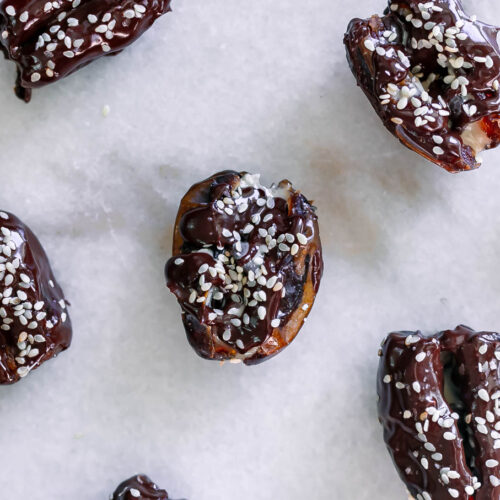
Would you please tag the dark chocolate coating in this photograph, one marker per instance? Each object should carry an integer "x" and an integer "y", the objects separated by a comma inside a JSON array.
[
  {"x": 49, "y": 40},
  {"x": 432, "y": 75},
  {"x": 439, "y": 407},
  {"x": 139, "y": 487},
  {"x": 242, "y": 277},
  {"x": 34, "y": 324}
]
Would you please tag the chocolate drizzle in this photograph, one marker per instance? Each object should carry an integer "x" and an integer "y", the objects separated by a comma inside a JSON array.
[
  {"x": 137, "y": 488},
  {"x": 439, "y": 404},
  {"x": 49, "y": 40},
  {"x": 432, "y": 74},
  {"x": 34, "y": 325},
  {"x": 246, "y": 266}
]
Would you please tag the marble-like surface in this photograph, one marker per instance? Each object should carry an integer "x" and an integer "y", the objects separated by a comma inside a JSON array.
[{"x": 262, "y": 86}]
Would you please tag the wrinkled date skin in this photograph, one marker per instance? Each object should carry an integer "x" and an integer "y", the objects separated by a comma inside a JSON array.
[
  {"x": 49, "y": 40},
  {"x": 439, "y": 407},
  {"x": 431, "y": 72},
  {"x": 34, "y": 324},
  {"x": 246, "y": 266},
  {"x": 139, "y": 487}
]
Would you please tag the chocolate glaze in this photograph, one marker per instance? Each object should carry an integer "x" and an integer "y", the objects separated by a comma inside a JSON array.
[
  {"x": 139, "y": 487},
  {"x": 439, "y": 404},
  {"x": 233, "y": 228},
  {"x": 432, "y": 74},
  {"x": 34, "y": 325},
  {"x": 50, "y": 40}
]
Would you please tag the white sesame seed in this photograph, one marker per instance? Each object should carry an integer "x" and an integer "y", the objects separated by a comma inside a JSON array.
[
  {"x": 369, "y": 45},
  {"x": 420, "y": 357},
  {"x": 402, "y": 103},
  {"x": 261, "y": 311},
  {"x": 301, "y": 238},
  {"x": 483, "y": 394},
  {"x": 10, "y": 10}
]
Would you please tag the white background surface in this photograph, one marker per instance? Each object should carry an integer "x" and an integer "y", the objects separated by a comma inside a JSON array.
[{"x": 259, "y": 85}]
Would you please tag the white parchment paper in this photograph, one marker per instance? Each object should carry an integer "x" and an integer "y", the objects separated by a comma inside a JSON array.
[{"x": 258, "y": 85}]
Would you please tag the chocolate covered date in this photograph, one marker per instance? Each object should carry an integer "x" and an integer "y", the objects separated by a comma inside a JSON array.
[
  {"x": 439, "y": 404},
  {"x": 49, "y": 40},
  {"x": 246, "y": 266},
  {"x": 34, "y": 324},
  {"x": 139, "y": 487},
  {"x": 432, "y": 74}
]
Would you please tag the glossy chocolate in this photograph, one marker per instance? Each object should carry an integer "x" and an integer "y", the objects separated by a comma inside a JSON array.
[
  {"x": 49, "y": 40},
  {"x": 439, "y": 404},
  {"x": 246, "y": 266},
  {"x": 34, "y": 324},
  {"x": 432, "y": 74},
  {"x": 139, "y": 487}
]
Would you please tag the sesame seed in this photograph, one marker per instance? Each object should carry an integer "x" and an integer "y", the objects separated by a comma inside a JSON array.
[
  {"x": 420, "y": 357},
  {"x": 483, "y": 394},
  {"x": 369, "y": 45},
  {"x": 301, "y": 238},
  {"x": 261, "y": 311}
]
